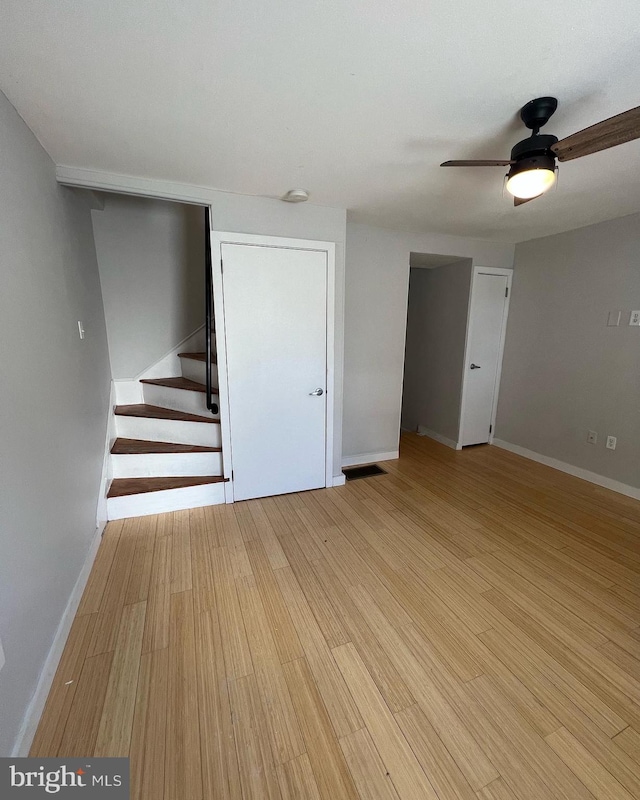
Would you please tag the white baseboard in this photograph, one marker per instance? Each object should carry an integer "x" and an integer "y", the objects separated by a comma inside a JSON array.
[
  {"x": 339, "y": 480},
  {"x": 36, "y": 706},
  {"x": 422, "y": 431},
  {"x": 578, "y": 472},
  {"x": 368, "y": 458}
]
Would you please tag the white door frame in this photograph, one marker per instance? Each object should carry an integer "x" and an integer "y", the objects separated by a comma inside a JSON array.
[
  {"x": 219, "y": 238},
  {"x": 478, "y": 270}
]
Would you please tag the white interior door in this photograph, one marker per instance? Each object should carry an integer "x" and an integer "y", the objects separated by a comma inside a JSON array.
[
  {"x": 484, "y": 355},
  {"x": 275, "y": 308}
]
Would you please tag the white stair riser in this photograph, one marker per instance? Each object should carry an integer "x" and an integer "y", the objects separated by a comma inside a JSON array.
[
  {"x": 141, "y": 505},
  {"x": 197, "y": 371},
  {"x": 160, "y": 465},
  {"x": 168, "y": 430},
  {"x": 177, "y": 399}
]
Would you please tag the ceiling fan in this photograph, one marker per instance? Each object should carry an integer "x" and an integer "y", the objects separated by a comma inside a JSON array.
[{"x": 532, "y": 166}]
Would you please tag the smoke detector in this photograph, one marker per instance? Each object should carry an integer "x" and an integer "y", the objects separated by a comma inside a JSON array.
[{"x": 296, "y": 196}]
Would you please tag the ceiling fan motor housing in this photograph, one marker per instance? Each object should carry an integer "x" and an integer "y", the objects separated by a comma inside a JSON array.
[{"x": 533, "y": 153}]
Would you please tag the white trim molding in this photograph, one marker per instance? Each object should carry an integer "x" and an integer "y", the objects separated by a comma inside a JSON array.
[
  {"x": 130, "y": 184},
  {"x": 422, "y": 431},
  {"x": 191, "y": 193},
  {"x": 339, "y": 480},
  {"x": 368, "y": 458},
  {"x": 577, "y": 472},
  {"x": 35, "y": 708}
]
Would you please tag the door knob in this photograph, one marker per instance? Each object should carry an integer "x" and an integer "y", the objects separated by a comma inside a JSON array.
[
  {"x": 316, "y": 392},
  {"x": 475, "y": 366}
]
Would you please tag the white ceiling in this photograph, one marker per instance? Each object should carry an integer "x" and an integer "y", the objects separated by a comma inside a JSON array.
[{"x": 357, "y": 101}]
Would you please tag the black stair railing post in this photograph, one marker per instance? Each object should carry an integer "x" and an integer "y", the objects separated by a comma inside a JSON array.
[{"x": 208, "y": 290}]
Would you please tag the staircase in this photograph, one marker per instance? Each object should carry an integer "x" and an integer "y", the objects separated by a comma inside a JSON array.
[{"x": 168, "y": 451}]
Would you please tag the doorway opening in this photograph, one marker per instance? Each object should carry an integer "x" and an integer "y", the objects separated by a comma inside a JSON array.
[
  {"x": 164, "y": 444},
  {"x": 456, "y": 322}
]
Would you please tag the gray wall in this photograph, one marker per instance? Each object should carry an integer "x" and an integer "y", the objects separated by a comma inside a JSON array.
[
  {"x": 54, "y": 398},
  {"x": 565, "y": 372},
  {"x": 151, "y": 261},
  {"x": 377, "y": 280},
  {"x": 434, "y": 354}
]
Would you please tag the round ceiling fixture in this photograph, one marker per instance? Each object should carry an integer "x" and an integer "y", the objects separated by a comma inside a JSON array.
[{"x": 296, "y": 196}]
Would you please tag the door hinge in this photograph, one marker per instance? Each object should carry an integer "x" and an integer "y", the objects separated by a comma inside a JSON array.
[
  {"x": 506, "y": 292},
  {"x": 221, "y": 265},
  {"x": 490, "y": 428}
]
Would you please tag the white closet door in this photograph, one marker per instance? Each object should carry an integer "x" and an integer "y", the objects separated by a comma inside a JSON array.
[
  {"x": 275, "y": 307},
  {"x": 484, "y": 355}
]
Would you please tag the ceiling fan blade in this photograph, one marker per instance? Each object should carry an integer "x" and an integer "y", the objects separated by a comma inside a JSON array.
[
  {"x": 481, "y": 163},
  {"x": 518, "y": 201},
  {"x": 610, "y": 132}
]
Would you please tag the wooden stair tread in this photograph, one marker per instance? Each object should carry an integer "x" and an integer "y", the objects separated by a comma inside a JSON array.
[
  {"x": 121, "y": 487},
  {"x": 179, "y": 383},
  {"x": 198, "y": 357},
  {"x": 123, "y": 446},
  {"x": 158, "y": 412}
]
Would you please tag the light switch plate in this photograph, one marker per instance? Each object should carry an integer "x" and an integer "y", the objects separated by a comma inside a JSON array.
[
  {"x": 634, "y": 318},
  {"x": 613, "y": 320}
]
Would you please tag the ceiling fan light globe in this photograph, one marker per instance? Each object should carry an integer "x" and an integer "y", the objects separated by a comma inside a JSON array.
[{"x": 530, "y": 183}]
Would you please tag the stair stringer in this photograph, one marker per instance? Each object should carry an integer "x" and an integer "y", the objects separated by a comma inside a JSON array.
[
  {"x": 129, "y": 390},
  {"x": 169, "y": 365}
]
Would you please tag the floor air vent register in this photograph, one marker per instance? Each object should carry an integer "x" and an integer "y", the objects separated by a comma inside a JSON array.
[{"x": 368, "y": 471}]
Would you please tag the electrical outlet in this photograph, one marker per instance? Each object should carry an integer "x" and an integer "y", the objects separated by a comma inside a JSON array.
[
  {"x": 634, "y": 318},
  {"x": 611, "y": 442},
  {"x": 592, "y": 437}
]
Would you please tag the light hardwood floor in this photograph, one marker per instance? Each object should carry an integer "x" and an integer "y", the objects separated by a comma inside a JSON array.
[{"x": 463, "y": 627}]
